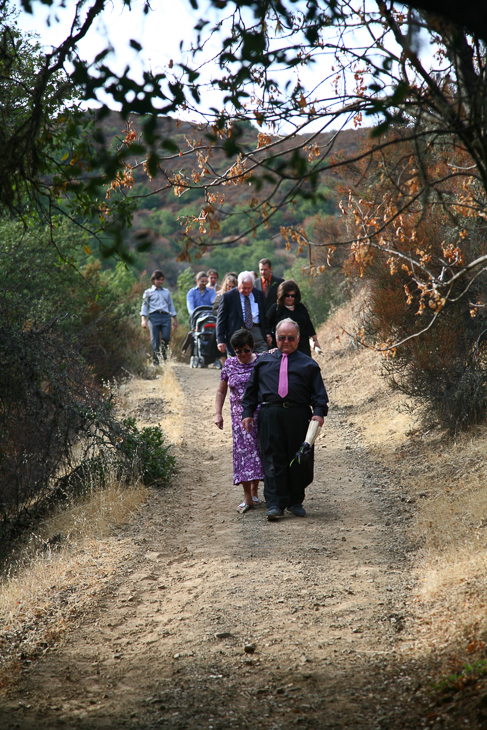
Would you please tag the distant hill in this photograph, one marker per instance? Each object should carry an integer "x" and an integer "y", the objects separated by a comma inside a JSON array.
[{"x": 156, "y": 221}]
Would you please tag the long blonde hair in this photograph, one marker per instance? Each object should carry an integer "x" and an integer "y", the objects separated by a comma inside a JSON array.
[{"x": 228, "y": 278}]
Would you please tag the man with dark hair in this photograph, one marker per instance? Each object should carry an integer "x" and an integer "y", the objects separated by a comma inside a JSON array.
[
  {"x": 267, "y": 283},
  {"x": 157, "y": 310},
  {"x": 242, "y": 307},
  {"x": 200, "y": 295},
  {"x": 286, "y": 383}
]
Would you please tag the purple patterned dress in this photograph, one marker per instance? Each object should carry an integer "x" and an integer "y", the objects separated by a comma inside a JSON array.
[{"x": 246, "y": 458}]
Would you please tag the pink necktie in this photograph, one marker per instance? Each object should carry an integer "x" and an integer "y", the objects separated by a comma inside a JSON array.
[{"x": 283, "y": 384}]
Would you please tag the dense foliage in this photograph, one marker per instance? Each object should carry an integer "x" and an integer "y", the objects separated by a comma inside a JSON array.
[
  {"x": 436, "y": 353},
  {"x": 66, "y": 327}
]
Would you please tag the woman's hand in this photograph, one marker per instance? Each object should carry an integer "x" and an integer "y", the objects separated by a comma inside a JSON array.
[
  {"x": 218, "y": 420},
  {"x": 220, "y": 400}
]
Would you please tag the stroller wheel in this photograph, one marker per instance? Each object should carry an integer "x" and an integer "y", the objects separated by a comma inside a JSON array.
[
  {"x": 217, "y": 364},
  {"x": 201, "y": 362},
  {"x": 193, "y": 363}
]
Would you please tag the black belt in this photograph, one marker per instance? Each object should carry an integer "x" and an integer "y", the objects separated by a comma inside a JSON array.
[
  {"x": 158, "y": 311},
  {"x": 284, "y": 404}
]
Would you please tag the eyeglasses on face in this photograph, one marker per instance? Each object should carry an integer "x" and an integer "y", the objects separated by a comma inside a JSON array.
[
  {"x": 290, "y": 294},
  {"x": 245, "y": 351},
  {"x": 286, "y": 338}
]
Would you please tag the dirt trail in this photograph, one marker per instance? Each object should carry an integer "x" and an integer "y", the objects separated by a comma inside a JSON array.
[{"x": 321, "y": 599}]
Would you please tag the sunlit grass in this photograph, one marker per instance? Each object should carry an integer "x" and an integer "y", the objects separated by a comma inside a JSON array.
[{"x": 446, "y": 478}]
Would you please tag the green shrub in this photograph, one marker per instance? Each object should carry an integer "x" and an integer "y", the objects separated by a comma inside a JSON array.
[
  {"x": 45, "y": 275},
  {"x": 185, "y": 282},
  {"x": 146, "y": 451}
]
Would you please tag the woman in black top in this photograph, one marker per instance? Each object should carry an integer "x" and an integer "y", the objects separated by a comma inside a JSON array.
[{"x": 289, "y": 305}]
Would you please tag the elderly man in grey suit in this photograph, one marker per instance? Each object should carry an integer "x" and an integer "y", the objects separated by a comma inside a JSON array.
[{"x": 242, "y": 307}]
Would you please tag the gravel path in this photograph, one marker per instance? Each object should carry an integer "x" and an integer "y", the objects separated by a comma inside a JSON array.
[{"x": 224, "y": 621}]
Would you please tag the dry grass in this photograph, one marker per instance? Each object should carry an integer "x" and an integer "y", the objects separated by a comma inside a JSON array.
[
  {"x": 74, "y": 554},
  {"x": 66, "y": 564},
  {"x": 451, "y": 527},
  {"x": 172, "y": 423},
  {"x": 446, "y": 478}
]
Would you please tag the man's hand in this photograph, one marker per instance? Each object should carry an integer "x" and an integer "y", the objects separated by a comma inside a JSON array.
[
  {"x": 144, "y": 322},
  {"x": 174, "y": 323},
  {"x": 269, "y": 340},
  {"x": 219, "y": 420},
  {"x": 320, "y": 419},
  {"x": 222, "y": 347},
  {"x": 248, "y": 423}
]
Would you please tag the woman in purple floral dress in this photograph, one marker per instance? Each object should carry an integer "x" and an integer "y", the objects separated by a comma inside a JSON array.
[{"x": 247, "y": 466}]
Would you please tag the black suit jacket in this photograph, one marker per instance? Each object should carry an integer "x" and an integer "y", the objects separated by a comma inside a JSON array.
[
  {"x": 230, "y": 316},
  {"x": 271, "y": 297}
]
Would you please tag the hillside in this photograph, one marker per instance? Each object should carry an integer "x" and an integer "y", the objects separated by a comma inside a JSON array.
[{"x": 155, "y": 220}]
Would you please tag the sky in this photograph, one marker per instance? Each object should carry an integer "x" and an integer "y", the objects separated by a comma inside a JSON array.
[{"x": 160, "y": 33}]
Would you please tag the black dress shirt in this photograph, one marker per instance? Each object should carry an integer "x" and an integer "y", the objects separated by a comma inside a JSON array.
[{"x": 304, "y": 381}]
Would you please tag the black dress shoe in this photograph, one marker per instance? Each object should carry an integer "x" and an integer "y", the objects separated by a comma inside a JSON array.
[
  {"x": 274, "y": 513},
  {"x": 297, "y": 509}
]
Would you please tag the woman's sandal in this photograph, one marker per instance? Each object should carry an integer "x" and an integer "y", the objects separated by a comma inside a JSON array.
[
  {"x": 255, "y": 500},
  {"x": 243, "y": 508}
]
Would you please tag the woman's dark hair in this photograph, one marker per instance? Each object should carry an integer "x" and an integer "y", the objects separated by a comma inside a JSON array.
[
  {"x": 240, "y": 338},
  {"x": 157, "y": 274},
  {"x": 285, "y": 288}
]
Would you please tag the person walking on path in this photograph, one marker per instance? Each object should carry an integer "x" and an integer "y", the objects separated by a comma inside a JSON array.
[
  {"x": 286, "y": 383},
  {"x": 267, "y": 283},
  {"x": 157, "y": 310},
  {"x": 289, "y": 304},
  {"x": 247, "y": 466},
  {"x": 230, "y": 281},
  {"x": 242, "y": 307},
  {"x": 200, "y": 295}
]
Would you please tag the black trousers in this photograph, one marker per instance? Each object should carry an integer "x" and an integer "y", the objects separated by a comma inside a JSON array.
[{"x": 281, "y": 434}]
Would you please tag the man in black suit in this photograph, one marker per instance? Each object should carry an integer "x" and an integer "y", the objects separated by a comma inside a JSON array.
[
  {"x": 267, "y": 283},
  {"x": 286, "y": 383},
  {"x": 242, "y": 307}
]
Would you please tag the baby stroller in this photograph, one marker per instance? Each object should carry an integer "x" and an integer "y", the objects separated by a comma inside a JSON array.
[{"x": 203, "y": 339}]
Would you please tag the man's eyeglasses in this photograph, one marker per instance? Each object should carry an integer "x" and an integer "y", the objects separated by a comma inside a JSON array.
[
  {"x": 285, "y": 338},
  {"x": 245, "y": 351},
  {"x": 293, "y": 296}
]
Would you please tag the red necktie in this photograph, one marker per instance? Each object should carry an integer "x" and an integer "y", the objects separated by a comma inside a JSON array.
[{"x": 283, "y": 386}]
